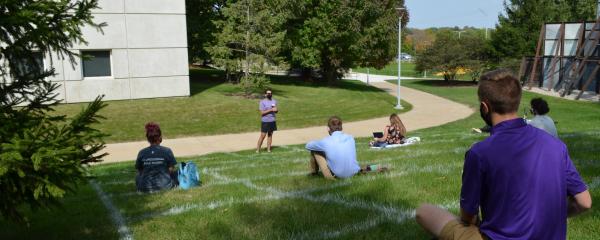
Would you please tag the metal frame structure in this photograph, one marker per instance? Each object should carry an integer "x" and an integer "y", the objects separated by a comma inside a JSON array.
[{"x": 551, "y": 47}]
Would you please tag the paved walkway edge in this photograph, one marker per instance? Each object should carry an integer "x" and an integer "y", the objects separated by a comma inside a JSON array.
[{"x": 428, "y": 111}]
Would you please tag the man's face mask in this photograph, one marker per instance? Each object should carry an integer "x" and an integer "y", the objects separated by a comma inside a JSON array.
[{"x": 487, "y": 117}]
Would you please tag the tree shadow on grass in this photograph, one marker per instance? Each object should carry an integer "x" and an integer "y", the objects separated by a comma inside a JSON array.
[
  {"x": 352, "y": 85},
  {"x": 204, "y": 79},
  {"x": 442, "y": 83},
  {"x": 359, "y": 218},
  {"x": 81, "y": 216}
]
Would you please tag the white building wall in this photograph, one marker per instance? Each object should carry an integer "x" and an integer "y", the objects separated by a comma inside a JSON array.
[{"x": 148, "y": 45}]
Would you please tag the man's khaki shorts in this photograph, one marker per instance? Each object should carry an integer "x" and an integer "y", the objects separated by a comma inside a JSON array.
[{"x": 455, "y": 230}]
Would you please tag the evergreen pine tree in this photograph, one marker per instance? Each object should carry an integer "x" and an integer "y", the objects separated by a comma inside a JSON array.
[{"x": 42, "y": 155}]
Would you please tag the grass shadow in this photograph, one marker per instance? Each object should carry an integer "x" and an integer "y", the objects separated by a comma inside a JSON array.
[
  {"x": 202, "y": 79},
  {"x": 352, "y": 85},
  {"x": 442, "y": 83},
  {"x": 69, "y": 221},
  {"x": 344, "y": 213}
]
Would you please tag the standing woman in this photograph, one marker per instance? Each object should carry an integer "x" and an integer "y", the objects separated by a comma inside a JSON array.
[
  {"x": 155, "y": 164},
  {"x": 392, "y": 134},
  {"x": 268, "y": 109}
]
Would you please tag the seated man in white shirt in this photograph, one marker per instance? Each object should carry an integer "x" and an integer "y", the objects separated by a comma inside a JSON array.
[
  {"x": 335, "y": 155},
  {"x": 539, "y": 108}
]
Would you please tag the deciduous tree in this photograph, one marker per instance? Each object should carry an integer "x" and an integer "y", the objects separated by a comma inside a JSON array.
[
  {"x": 334, "y": 35},
  {"x": 200, "y": 19},
  {"x": 518, "y": 28}
]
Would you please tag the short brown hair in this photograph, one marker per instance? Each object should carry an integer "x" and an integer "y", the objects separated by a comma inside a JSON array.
[
  {"x": 334, "y": 124},
  {"x": 500, "y": 90}
]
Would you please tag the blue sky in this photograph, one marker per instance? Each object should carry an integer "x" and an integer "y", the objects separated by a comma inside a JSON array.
[{"x": 450, "y": 13}]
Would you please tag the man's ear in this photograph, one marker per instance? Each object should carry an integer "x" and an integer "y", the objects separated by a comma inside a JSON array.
[{"x": 484, "y": 107}]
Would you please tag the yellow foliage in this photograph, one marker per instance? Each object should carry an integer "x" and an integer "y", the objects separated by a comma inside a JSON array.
[{"x": 459, "y": 71}]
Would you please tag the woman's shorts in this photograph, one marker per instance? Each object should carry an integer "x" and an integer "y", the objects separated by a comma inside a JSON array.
[{"x": 267, "y": 127}]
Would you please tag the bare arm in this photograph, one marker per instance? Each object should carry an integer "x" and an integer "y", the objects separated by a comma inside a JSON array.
[
  {"x": 468, "y": 218},
  {"x": 385, "y": 135},
  {"x": 265, "y": 112},
  {"x": 579, "y": 203}
]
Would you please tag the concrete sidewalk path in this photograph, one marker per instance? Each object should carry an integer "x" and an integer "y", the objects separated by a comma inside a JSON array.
[{"x": 427, "y": 112}]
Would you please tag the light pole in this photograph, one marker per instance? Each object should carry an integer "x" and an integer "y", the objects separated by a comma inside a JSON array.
[
  {"x": 398, "y": 105},
  {"x": 459, "y": 32}
]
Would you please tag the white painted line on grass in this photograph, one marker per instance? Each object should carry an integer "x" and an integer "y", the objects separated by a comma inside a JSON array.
[
  {"x": 232, "y": 201},
  {"x": 387, "y": 211},
  {"x": 357, "y": 227},
  {"x": 261, "y": 164},
  {"x": 115, "y": 215},
  {"x": 214, "y": 183},
  {"x": 586, "y": 162},
  {"x": 279, "y": 156},
  {"x": 577, "y": 135},
  {"x": 595, "y": 183}
]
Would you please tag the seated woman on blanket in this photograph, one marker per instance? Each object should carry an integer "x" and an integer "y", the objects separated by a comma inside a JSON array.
[
  {"x": 392, "y": 134},
  {"x": 155, "y": 164}
]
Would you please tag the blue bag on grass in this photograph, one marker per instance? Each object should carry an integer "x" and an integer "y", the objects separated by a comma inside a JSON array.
[{"x": 188, "y": 175}]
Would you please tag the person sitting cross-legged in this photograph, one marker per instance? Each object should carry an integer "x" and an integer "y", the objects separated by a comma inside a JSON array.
[
  {"x": 392, "y": 134},
  {"x": 541, "y": 120},
  {"x": 155, "y": 164},
  {"x": 334, "y": 156},
  {"x": 520, "y": 178}
]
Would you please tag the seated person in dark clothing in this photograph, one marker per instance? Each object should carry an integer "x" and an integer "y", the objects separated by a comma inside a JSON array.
[{"x": 155, "y": 164}]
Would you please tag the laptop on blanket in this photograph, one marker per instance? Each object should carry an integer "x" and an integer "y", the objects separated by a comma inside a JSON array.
[{"x": 378, "y": 134}]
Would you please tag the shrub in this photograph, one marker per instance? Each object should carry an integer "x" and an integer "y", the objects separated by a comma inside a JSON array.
[{"x": 254, "y": 83}]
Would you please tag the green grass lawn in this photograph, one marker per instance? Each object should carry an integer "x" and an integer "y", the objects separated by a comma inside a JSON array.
[
  {"x": 212, "y": 110},
  {"x": 408, "y": 70},
  {"x": 268, "y": 196}
]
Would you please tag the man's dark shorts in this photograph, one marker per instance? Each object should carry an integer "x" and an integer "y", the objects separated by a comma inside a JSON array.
[{"x": 267, "y": 127}]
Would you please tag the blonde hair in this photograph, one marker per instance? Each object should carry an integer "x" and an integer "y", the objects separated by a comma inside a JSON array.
[{"x": 397, "y": 123}]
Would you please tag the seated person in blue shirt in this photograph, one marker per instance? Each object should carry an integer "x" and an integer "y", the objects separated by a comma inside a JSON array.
[
  {"x": 519, "y": 183},
  {"x": 541, "y": 120},
  {"x": 335, "y": 155},
  {"x": 155, "y": 164}
]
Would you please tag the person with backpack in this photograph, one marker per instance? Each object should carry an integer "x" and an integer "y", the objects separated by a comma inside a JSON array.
[{"x": 155, "y": 164}]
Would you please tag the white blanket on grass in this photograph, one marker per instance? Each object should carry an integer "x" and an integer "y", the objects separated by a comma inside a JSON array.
[{"x": 408, "y": 141}]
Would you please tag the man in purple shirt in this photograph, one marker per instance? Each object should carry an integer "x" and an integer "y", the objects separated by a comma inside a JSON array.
[
  {"x": 268, "y": 109},
  {"x": 520, "y": 178}
]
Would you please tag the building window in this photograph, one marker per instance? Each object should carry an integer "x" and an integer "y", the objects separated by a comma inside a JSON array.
[
  {"x": 33, "y": 65},
  {"x": 96, "y": 63}
]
